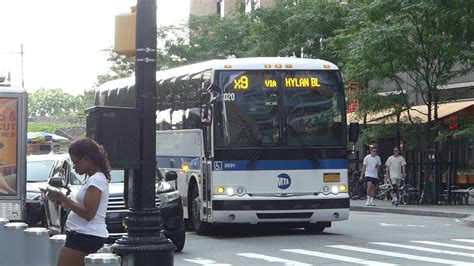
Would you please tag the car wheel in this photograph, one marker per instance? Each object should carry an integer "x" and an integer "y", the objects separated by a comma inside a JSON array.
[
  {"x": 178, "y": 238},
  {"x": 44, "y": 219},
  {"x": 200, "y": 227},
  {"x": 63, "y": 221}
]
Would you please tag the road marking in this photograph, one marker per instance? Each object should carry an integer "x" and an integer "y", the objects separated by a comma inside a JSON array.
[
  {"x": 337, "y": 257},
  {"x": 424, "y": 249},
  {"x": 415, "y": 225},
  {"x": 399, "y": 255},
  {"x": 443, "y": 244},
  {"x": 207, "y": 262},
  {"x": 273, "y": 259},
  {"x": 464, "y": 240},
  {"x": 391, "y": 225}
]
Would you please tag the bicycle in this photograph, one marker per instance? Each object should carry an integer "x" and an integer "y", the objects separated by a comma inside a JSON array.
[
  {"x": 384, "y": 190},
  {"x": 408, "y": 193},
  {"x": 357, "y": 189}
]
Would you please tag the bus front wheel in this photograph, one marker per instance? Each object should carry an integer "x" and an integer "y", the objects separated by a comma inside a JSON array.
[
  {"x": 315, "y": 228},
  {"x": 200, "y": 227}
]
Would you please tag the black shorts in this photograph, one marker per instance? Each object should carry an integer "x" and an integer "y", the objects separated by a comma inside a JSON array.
[
  {"x": 82, "y": 242},
  {"x": 374, "y": 180}
]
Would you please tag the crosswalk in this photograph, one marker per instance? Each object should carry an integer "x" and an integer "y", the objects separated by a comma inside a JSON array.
[{"x": 449, "y": 252}]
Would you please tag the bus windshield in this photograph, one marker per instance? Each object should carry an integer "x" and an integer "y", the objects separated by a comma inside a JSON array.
[{"x": 297, "y": 108}]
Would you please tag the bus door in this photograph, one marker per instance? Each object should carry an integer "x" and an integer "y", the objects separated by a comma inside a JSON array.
[
  {"x": 181, "y": 151},
  {"x": 13, "y": 123}
]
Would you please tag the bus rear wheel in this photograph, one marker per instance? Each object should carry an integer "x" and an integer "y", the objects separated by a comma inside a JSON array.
[{"x": 200, "y": 227}]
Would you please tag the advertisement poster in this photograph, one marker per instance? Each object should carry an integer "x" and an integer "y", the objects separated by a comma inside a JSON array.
[{"x": 8, "y": 146}]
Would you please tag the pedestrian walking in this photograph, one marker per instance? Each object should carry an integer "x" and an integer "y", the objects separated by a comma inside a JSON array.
[
  {"x": 395, "y": 170},
  {"x": 86, "y": 228},
  {"x": 370, "y": 170}
]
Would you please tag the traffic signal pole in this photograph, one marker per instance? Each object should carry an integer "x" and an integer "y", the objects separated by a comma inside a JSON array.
[{"x": 144, "y": 243}]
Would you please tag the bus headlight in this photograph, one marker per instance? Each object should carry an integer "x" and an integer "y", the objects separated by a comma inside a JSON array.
[
  {"x": 333, "y": 189},
  {"x": 231, "y": 191},
  {"x": 343, "y": 188}
]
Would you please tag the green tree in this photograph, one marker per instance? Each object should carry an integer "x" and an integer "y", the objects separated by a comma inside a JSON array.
[
  {"x": 417, "y": 45},
  {"x": 121, "y": 67},
  {"x": 53, "y": 102}
]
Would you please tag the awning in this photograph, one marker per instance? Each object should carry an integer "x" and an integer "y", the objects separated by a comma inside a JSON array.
[{"x": 418, "y": 113}]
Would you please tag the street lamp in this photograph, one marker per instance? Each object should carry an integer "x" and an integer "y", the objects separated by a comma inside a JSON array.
[{"x": 144, "y": 243}]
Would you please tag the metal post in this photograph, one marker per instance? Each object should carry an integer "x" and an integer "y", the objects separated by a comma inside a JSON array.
[
  {"x": 103, "y": 259},
  {"x": 144, "y": 243},
  {"x": 3, "y": 221},
  {"x": 15, "y": 250},
  {"x": 56, "y": 243},
  {"x": 37, "y": 247}
]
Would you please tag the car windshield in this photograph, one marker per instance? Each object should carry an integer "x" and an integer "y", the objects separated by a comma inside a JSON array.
[
  {"x": 38, "y": 171},
  {"x": 116, "y": 176}
]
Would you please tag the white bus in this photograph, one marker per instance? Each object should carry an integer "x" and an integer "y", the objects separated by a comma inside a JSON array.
[{"x": 254, "y": 140}]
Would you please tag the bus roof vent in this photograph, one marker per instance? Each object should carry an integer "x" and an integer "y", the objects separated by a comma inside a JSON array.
[{"x": 232, "y": 56}]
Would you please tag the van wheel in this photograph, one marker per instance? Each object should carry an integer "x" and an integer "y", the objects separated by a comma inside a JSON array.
[{"x": 200, "y": 227}]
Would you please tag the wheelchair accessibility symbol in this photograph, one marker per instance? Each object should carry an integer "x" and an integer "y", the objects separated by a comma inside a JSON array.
[{"x": 218, "y": 166}]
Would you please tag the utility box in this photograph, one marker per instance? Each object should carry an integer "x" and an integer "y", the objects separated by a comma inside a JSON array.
[{"x": 118, "y": 130}]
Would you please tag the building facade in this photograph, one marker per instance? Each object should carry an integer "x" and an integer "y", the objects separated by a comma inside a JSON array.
[{"x": 226, "y": 7}]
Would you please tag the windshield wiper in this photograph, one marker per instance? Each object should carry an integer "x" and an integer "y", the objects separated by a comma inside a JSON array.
[{"x": 306, "y": 150}]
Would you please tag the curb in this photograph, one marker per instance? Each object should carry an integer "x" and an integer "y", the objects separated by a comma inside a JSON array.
[{"x": 412, "y": 212}]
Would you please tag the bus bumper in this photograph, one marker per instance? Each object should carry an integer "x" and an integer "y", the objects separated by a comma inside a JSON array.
[{"x": 277, "y": 211}]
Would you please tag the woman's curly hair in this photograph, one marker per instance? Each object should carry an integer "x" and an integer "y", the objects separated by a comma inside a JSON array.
[{"x": 88, "y": 147}]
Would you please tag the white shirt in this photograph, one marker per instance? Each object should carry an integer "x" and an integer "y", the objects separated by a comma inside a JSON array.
[
  {"x": 394, "y": 164},
  {"x": 96, "y": 226},
  {"x": 371, "y": 163}
]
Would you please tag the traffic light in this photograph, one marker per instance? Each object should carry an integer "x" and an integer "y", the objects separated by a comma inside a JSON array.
[{"x": 125, "y": 33}]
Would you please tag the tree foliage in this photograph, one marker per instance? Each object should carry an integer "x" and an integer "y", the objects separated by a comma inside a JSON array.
[
  {"x": 54, "y": 102},
  {"x": 416, "y": 45},
  {"x": 121, "y": 67}
]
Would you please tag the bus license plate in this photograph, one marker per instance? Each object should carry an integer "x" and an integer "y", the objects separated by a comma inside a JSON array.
[{"x": 332, "y": 177}]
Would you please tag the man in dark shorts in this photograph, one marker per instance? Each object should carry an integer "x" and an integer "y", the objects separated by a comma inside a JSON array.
[{"x": 370, "y": 170}]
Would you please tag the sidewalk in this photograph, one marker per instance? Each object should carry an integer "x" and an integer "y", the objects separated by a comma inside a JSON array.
[{"x": 464, "y": 212}]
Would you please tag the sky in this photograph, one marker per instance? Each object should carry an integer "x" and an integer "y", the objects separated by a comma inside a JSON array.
[{"x": 64, "y": 40}]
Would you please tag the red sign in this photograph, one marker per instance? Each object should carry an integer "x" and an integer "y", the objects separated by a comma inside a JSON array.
[{"x": 353, "y": 104}]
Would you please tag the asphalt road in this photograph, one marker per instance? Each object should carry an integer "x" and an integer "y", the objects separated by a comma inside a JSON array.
[{"x": 366, "y": 238}]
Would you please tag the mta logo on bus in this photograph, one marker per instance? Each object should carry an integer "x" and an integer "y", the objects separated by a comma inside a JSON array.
[{"x": 284, "y": 181}]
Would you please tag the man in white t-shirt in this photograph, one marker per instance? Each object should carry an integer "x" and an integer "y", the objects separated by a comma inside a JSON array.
[
  {"x": 370, "y": 169},
  {"x": 395, "y": 170}
]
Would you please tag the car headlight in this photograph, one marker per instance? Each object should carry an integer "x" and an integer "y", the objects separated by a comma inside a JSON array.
[
  {"x": 33, "y": 196},
  {"x": 164, "y": 187},
  {"x": 168, "y": 196}
]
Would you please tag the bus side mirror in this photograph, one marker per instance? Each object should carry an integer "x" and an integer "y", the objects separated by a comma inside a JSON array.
[
  {"x": 206, "y": 114},
  {"x": 171, "y": 176},
  {"x": 354, "y": 132}
]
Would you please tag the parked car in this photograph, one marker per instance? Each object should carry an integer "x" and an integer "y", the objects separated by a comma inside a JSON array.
[
  {"x": 167, "y": 200},
  {"x": 41, "y": 168}
]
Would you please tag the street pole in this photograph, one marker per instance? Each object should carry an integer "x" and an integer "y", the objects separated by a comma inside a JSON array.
[{"x": 144, "y": 244}]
